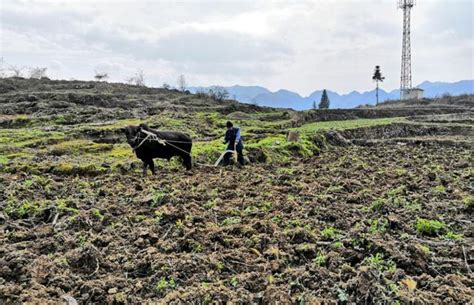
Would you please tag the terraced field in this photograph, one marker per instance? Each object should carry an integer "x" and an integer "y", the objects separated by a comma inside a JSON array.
[{"x": 364, "y": 210}]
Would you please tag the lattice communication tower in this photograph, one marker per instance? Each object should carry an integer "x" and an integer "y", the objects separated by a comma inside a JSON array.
[{"x": 405, "y": 79}]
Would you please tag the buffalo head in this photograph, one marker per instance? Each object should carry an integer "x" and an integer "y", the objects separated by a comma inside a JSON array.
[{"x": 131, "y": 133}]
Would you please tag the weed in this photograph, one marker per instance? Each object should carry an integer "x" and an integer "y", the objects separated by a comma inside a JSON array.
[
  {"x": 334, "y": 189},
  {"x": 468, "y": 201},
  {"x": 231, "y": 221},
  {"x": 453, "y": 236},
  {"x": 179, "y": 225},
  {"x": 164, "y": 284},
  {"x": 405, "y": 236},
  {"x": 219, "y": 265},
  {"x": 294, "y": 223},
  {"x": 342, "y": 296},
  {"x": 189, "y": 219},
  {"x": 3, "y": 160},
  {"x": 378, "y": 204},
  {"x": 196, "y": 247},
  {"x": 439, "y": 189},
  {"x": 158, "y": 216},
  {"x": 285, "y": 171},
  {"x": 394, "y": 288},
  {"x": 97, "y": 214},
  {"x": 234, "y": 281},
  {"x": 401, "y": 190},
  {"x": 24, "y": 209},
  {"x": 413, "y": 206},
  {"x": 250, "y": 209},
  {"x": 378, "y": 225},
  {"x": 429, "y": 227},
  {"x": 329, "y": 233},
  {"x": 157, "y": 198},
  {"x": 320, "y": 260},
  {"x": 277, "y": 219},
  {"x": 28, "y": 183},
  {"x": 270, "y": 279},
  {"x": 266, "y": 205},
  {"x": 377, "y": 261},
  {"x": 82, "y": 240},
  {"x": 424, "y": 249},
  {"x": 210, "y": 204}
]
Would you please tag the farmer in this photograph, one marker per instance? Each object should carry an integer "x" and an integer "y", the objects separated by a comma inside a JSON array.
[{"x": 234, "y": 142}]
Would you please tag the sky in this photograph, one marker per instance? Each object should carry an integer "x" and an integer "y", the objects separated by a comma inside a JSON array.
[{"x": 296, "y": 45}]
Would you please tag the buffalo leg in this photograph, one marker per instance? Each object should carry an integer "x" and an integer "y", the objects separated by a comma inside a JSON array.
[
  {"x": 151, "y": 164},
  {"x": 187, "y": 161},
  {"x": 145, "y": 164}
]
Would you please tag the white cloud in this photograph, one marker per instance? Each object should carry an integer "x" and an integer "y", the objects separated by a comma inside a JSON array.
[{"x": 300, "y": 46}]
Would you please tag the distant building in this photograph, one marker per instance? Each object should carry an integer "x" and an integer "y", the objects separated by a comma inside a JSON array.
[{"x": 412, "y": 94}]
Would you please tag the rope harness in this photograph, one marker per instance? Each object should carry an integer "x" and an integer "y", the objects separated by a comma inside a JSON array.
[{"x": 154, "y": 137}]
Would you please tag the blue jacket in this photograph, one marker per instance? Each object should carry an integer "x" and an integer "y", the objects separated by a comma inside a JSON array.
[{"x": 232, "y": 136}]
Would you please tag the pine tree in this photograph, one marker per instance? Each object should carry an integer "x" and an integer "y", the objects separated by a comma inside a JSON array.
[
  {"x": 324, "y": 104},
  {"x": 377, "y": 78},
  {"x": 314, "y": 105}
]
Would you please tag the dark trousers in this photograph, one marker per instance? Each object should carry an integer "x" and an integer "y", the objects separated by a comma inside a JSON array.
[{"x": 240, "y": 155}]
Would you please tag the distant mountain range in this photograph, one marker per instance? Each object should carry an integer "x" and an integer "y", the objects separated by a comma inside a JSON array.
[{"x": 288, "y": 99}]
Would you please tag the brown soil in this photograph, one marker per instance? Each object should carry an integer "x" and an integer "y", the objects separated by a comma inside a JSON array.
[{"x": 248, "y": 235}]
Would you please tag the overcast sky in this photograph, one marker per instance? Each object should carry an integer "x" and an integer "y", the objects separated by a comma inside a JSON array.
[{"x": 296, "y": 45}]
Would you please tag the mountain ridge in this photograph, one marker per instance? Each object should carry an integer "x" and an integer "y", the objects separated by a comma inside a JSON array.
[{"x": 284, "y": 98}]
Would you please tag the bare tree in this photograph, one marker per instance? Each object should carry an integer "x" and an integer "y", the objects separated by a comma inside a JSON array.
[
  {"x": 38, "y": 72},
  {"x": 2, "y": 68},
  {"x": 16, "y": 71},
  {"x": 181, "y": 83},
  {"x": 138, "y": 79},
  {"x": 201, "y": 93},
  {"x": 219, "y": 93},
  {"x": 101, "y": 76}
]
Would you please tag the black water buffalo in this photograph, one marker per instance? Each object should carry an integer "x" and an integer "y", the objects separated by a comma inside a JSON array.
[{"x": 164, "y": 145}]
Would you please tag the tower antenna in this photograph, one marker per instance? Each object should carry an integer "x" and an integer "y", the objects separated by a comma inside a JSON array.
[{"x": 405, "y": 79}]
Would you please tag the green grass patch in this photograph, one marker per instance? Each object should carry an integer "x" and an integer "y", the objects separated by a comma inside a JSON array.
[
  {"x": 13, "y": 139},
  {"x": 3, "y": 159},
  {"x": 79, "y": 147},
  {"x": 347, "y": 124}
]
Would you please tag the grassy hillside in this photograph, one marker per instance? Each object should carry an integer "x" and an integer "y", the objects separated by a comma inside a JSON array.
[{"x": 373, "y": 206}]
